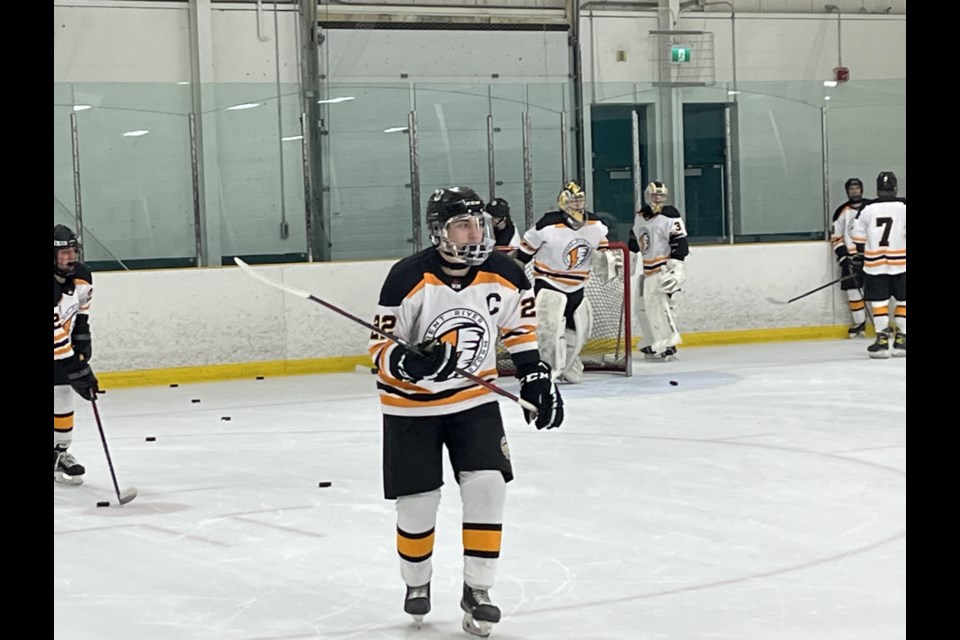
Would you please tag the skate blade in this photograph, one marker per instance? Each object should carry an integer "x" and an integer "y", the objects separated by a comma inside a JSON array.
[
  {"x": 899, "y": 354},
  {"x": 418, "y": 620},
  {"x": 62, "y": 478},
  {"x": 880, "y": 355},
  {"x": 479, "y": 628}
]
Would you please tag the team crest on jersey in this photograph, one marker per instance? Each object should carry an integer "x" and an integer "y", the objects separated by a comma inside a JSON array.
[
  {"x": 504, "y": 447},
  {"x": 644, "y": 240},
  {"x": 467, "y": 331},
  {"x": 576, "y": 253}
]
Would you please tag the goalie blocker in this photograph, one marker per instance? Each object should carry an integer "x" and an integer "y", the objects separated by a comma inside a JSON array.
[{"x": 607, "y": 346}]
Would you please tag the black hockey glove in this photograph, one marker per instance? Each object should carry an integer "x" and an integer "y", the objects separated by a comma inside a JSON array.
[
  {"x": 537, "y": 388},
  {"x": 81, "y": 378},
  {"x": 436, "y": 361},
  {"x": 856, "y": 264},
  {"x": 82, "y": 344}
]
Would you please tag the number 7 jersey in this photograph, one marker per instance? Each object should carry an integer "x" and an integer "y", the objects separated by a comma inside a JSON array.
[{"x": 881, "y": 228}]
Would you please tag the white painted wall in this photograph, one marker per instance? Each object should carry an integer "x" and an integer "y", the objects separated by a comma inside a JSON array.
[{"x": 195, "y": 317}]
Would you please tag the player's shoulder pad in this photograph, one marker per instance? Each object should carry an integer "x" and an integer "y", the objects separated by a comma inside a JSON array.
[
  {"x": 670, "y": 211},
  {"x": 83, "y": 273},
  {"x": 57, "y": 291},
  {"x": 549, "y": 219},
  {"x": 507, "y": 268},
  {"x": 839, "y": 210},
  {"x": 404, "y": 276}
]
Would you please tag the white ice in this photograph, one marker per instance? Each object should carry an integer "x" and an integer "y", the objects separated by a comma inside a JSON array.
[{"x": 763, "y": 497}]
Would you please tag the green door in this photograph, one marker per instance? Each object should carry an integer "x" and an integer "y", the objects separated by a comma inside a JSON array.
[
  {"x": 612, "y": 145},
  {"x": 704, "y": 179}
]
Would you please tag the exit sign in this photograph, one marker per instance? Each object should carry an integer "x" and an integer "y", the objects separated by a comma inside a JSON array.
[{"x": 680, "y": 54}]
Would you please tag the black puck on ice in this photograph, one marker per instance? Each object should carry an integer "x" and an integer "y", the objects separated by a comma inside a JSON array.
[
  {"x": 324, "y": 484},
  {"x": 225, "y": 418},
  {"x": 103, "y": 504},
  {"x": 151, "y": 438},
  {"x": 195, "y": 400},
  {"x": 174, "y": 385},
  {"x": 674, "y": 382},
  {"x": 259, "y": 377}
]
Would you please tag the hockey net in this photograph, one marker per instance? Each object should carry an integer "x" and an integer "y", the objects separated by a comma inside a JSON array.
[{"x": 609, "y": 346}]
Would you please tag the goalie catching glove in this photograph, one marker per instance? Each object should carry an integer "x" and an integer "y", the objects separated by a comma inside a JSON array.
[
  {"x": 538, "y": 388},
  {"x": 672, "y": 275},
  {"x": 436, "y": 361}
]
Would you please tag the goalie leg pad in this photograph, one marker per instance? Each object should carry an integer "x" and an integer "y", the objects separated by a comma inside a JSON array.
[
  {"x": 640, "y": 314},
  {"x": 583, "y": 319},
  {"x": 659, "y": 316},
  {"x": 551, "y": 328}
]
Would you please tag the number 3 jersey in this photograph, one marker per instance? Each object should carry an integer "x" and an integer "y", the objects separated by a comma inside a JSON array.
[{"x": 419, "y": 302}]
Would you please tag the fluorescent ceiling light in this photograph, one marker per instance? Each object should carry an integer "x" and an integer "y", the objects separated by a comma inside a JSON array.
[
  {"x": 733, "y": 93},
  {"x": 826, "y": 97},
  {"x": 246, "y": 105},
  {"x": 136, "y": 134},
  {"x": 829, "y": 83},
  {"x": 184, "y": 82},
  {"x": 394, "y": 129},
  {"x": 81, "y": 107},
  {"x": 336, "y": 100},
  {"x": 290, "y": 138}
]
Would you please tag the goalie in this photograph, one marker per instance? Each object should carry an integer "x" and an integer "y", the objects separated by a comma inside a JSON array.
[
  {"x": 660, "y": 238},
  {"x": 564, "y": 246}
]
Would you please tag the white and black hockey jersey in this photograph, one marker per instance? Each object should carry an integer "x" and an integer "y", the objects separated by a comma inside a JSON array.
[
  {"x": 419, "y": 302},
  {"x": 658, "y": 237},
  {"x": 841, "y": 238},
  {"x": 561, "y": 254},
  {"x": 69, "y": 299},
  {"x": 881, "y": 231}
]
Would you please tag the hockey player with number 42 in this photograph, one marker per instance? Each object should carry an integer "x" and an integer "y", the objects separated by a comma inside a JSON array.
[
  {"x": 72, "y": 348},
  {"x": 565, "y": 246},
  {"x": 660, "y": 237},
  {"x": 452, "y": 300}
]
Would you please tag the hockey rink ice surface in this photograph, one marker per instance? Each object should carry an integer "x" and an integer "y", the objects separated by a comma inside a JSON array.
[{"x": 762, "y": 497}]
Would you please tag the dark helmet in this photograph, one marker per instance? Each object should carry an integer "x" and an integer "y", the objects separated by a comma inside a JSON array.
[
  {"x": 64, "y": 237},
  {"x": 456, "y": 203},
  {"x": 854, "y": 182},
  {"x": 887, "y": 184},
  {"x": 499, "y": 208}
]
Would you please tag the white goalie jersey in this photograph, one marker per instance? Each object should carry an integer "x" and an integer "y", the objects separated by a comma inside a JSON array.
[
  {"x": 653, "y": 237},
  {"x": 563, "y": 256}
]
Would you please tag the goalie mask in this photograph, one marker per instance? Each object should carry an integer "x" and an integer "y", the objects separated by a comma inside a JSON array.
[
  {"x": 572, "y": 201},
  {"x": 887, "y": 184},
  {"x": 458, "y": 226},
  {"x": 656, "y": 195},
  {"x": 854, "y": 183},
  {"x": 66, "y": 251}
]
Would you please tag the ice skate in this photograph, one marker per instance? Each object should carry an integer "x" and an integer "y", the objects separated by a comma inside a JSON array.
[
  {"x": 649, "y": 353},
  {"x": 479, "y": 614},
  {"x": 881, "y": 348},
  {"x": 417, "y": 602},
  {"x": 857, "y": 330},
  {"x": 667, "y": 355},
  {"x": 900, "y": 345},
  {"x": 66, "y": 469}
]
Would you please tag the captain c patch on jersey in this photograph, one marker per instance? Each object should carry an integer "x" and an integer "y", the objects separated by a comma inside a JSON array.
[
  {"x": 467, "y": 331},
  {"x": 576, "y": 253}
]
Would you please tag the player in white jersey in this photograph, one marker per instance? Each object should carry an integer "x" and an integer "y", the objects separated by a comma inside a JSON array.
[
  {"x": 844, "y": 249},
  {"x": 880, "y": 236},
  {"x": 453, "y": 300},
  {"x": 72, "y": 348},
  {"x": 564, "y": 246},
  {"x": 660, "y": 238}
]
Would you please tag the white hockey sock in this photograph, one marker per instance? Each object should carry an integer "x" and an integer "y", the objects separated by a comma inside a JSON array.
[
  {"x": 416, "y": 521},
  {"x": 483, "y": 494}
]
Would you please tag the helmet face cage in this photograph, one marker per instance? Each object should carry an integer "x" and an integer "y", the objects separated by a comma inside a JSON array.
[
  {"x": 447, "y": 206},
  {"x": 573, "y": 202},
  {"x": 849, "y": 184},
  {"x": 887, "y": 184},
  {"x": 656, "y": 195},
  {"x": 64, "y": 238}
]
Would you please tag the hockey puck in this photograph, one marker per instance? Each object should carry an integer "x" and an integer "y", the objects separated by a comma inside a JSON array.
[
  {"x": 259, "y": 377},
  {"x": 674, "y": 382},
  {"x": 195, "y": 400},
  {"x": 324, "y": 485},
  {"x": 103, "y": 504},
  {"x": 151, "y": 438},
  {"x": 174, "y": 385},
  {"x": 225, "y": 418}
]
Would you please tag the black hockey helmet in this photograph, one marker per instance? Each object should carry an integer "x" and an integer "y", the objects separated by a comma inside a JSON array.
[
  {"x": 499, "y": 208},
  {"x": 64, "y": 238},
  {"x": 455, "y": 204},
  {"x": 853, "y": 182},
  {"x": 887, "y": 184}
]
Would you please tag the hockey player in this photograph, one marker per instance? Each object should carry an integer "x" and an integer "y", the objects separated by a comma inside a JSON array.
[
  {"x": 505, "y": 232},
  {"x": 843, "y": 248},
  {"x": 564, "y": 247},
  {"x": 452, "y": 300},
  {"x": 880, "y": 237},
  {"x": 660, "y": 238},
  {"x": 72, "y": 292}
]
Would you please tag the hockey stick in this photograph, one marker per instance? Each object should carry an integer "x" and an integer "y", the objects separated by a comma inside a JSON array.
[
  {"x": 374, "y": 328},
  {"x": 128, "y": 494},
  {"x": 804, "y": 295}
]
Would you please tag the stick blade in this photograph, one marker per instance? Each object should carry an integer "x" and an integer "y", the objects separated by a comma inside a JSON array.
[
  {"x": 775, "y": 301},
  {"x": 127, "y": 495}
]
